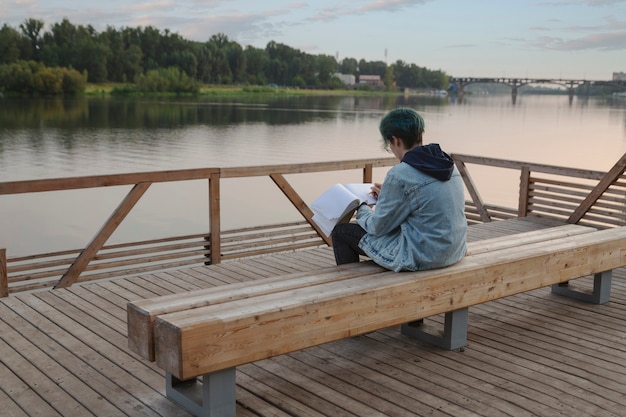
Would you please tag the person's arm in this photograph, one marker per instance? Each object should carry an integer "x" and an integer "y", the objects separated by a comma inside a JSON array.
[{"x": 392, "y": 208}]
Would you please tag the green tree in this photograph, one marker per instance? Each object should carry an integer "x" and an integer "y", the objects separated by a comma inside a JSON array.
[
  {"x": 326, "y": 66},
  {"x": 166, "y": 79},
  {"x": 437, "y": 79},
  {"x": 348, "y": 66},
  {"x": 220, "y": 68},
  {"x": 92, "y": 56},
  {"x": 186, "y": 61},
  {"x": 48, "y": 81},
  {"x": 257, "y": 63},
  {"x": 372, "y": 68},
  {"x": 150, "y": 44},
  {"x": 115, "y": 63},
  {"x": 73, "y": 82},
  {"x": 59, "y": 44},
  {"x": 236, "y": 62},
  {"x": 30, "y": 77},
  {"x": 204, "y": 59},
  {"x": 17, "y": 77},
  {"x": 389, "y": 79},
  {"x": 31, "y": 28},
  {"x": 405, "y": 76},
  {"x": 132, "y": 62},
  {"x": 280, "y": 56},
  {"x": 126, "y": 54},
  {"x": 10, "y": 42}
]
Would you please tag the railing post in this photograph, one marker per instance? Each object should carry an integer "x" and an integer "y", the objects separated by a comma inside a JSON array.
[
  {"x": 368, "y": 173},
  {"x": 4, "y": 278},
  {"x": 524, "y": 189},
  {"x": 214, "y": 218}
]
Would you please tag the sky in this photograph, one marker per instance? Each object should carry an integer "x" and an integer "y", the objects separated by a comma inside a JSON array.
[{"x": 557, "y": 39}]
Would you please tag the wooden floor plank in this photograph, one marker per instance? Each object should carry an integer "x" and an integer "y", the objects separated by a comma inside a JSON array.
[
  {"x": 64, "y": 352},
  {"x": 191, "y": 279},
  {"x": 255, "y": 394},
  {"x": 160, "y": 282},
  {"x": 9, "y": 407},
  {"x": 200, "y": 276},
  {"x": 436, "y": 383},
  {"x": 87, "y": 356},
  {"x": 25, "y": 387},
  {"x": 381, "y": 391},
  {"x": 522, "y": 368},
  {"x": 570, "y": 328},
  {"x": 347, "y": 389},
  {"x": 571, "y": 361},
  {"x": 465, "y": 371},
  {"x": 39, "y": 341},
  {"x": 289, "y": 264},
  {"x": 133, "y": 290},
  {"x": 221, "y": 272},
  {"x": 294, "y": 395}
]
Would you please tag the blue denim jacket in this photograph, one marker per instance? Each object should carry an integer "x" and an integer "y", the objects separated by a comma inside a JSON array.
[{"x": 418, "y": 223}]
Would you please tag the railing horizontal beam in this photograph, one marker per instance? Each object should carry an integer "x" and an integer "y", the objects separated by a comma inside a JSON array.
[
  {"x": 96, "y": 181},
  {"x": 518, "y": 165}
]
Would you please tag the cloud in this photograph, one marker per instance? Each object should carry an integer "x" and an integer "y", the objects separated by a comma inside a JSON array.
[
  {"x": 462, "y": 46},
  {"x": 150, "y": 7},
  {"x": 602, "y": 2},
  {"x": 331, "y": 13},
  {"x": 592, "y": 3},
  {"x": 613, "y": 41}
]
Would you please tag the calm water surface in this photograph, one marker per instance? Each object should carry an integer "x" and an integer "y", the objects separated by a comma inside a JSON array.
[{"x": 63, "y": 138}]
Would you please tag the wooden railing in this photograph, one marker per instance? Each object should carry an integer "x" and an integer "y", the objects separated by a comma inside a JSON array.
[
  {"x": 572, "y": 195},
  {"x": 586, "y": 197},
  {"x": 98, "y": 261}
]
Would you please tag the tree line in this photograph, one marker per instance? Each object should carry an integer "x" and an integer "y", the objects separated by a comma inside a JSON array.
[{"x": 155, "y": 60}]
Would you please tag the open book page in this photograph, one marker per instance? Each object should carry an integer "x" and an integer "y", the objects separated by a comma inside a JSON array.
[
  {"x": 362, "y": 192},
  {"x": 337, "y": 202}
]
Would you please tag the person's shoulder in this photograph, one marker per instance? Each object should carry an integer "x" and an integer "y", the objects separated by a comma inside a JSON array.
[
  {"x": 400, "y": 170},
  {"x": 401, "y": 167}
]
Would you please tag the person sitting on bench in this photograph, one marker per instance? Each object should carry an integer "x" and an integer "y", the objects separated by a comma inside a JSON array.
[{"x": 419, "y": 220}]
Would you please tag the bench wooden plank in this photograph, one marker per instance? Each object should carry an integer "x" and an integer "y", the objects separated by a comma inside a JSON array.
[
  {"x": 141, "y": 313},
  {"x": 207, "y": 339},
  {"x": 526, "y": 238}
]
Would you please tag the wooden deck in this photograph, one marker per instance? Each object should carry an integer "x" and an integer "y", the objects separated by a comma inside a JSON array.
[{"x": 64, "y": 353}]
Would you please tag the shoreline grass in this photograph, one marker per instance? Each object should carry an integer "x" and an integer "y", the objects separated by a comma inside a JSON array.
[{"x": 122, "y": 89}]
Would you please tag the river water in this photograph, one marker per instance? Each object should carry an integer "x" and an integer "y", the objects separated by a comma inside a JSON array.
[{"x": 49, "y": 138}]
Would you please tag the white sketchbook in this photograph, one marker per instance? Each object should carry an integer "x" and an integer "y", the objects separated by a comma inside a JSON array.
[{"x": 338, "y": 203}]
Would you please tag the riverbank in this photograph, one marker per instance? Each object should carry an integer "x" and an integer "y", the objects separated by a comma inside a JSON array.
[{"x": 238, "y": 90}]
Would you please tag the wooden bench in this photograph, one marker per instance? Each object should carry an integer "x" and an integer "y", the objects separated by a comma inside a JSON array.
[{"x": 207, "y": 333}]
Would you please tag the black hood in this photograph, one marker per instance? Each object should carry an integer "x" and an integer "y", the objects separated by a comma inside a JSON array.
[{"x": 431, "y": 160}]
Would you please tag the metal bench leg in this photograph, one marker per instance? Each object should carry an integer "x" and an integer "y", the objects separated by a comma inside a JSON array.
[
  {"x": 214, "y": 397},
  {"x": 454, "y": 333},
  {"x": 601, "y": 289}
]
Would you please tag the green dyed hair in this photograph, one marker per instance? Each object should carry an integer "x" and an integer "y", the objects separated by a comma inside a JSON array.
[{"x": 405, "y": 124}]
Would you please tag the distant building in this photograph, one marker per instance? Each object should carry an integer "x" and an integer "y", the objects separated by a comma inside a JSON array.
[
  {"x": 619, "y": 76},
  {"x": 372, "y": 80},
  {"x": 347, "y": 79}
]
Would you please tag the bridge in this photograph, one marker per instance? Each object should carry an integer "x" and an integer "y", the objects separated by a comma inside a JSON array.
[{"x": 571, "y": 84}]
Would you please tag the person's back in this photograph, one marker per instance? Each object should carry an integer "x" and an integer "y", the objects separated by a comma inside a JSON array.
[
  {"x": 431, "y": 216},
  {"x": 419, "y": 220}
]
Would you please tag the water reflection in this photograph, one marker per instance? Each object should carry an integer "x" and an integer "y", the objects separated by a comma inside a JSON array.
[
  {"x": 55, "y": 137},
  {"x": 95, "y": 113}
]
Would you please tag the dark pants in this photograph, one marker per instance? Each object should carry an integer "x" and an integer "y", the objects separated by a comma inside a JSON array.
[{"x": 346, "y": 238}]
